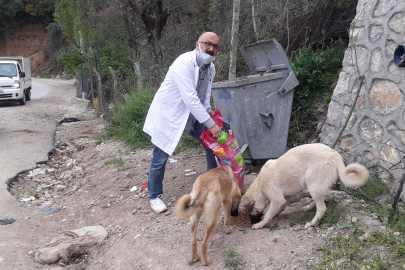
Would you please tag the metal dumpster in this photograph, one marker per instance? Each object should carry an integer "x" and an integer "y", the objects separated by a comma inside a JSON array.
[{"x": 258, "y": 107}]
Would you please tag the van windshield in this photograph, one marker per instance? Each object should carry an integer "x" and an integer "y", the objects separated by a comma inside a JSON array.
[{"x": 8, "y": 70}]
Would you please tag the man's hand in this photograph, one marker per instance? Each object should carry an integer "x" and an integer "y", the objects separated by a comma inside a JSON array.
[
  {"x": 215, "y": 131},
  {"x": 211, "y": 113}
]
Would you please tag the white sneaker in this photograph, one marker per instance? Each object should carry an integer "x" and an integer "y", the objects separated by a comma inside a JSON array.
[{"x": 157, "y": 204}]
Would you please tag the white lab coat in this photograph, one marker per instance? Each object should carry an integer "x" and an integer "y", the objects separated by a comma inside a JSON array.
[{"x": 175, "y": 99}]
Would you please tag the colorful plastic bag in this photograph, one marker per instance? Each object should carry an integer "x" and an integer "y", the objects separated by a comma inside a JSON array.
[{"x": 225, "y": 148}]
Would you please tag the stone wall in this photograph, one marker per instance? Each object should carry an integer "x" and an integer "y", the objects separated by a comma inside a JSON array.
[{"x": 375, "y": 133}]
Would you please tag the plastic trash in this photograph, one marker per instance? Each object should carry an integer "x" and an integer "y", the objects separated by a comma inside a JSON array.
[
  {"x": 171, "y": 160},
  {"x": 34, "y": 172},
  {"x": 70, "y": 119},
  {"x": 145, "y": 185},
  {"x": 7, "y": 221},
  {"x": 50, "y": 209},
  {"x": 32, "y": 198}
]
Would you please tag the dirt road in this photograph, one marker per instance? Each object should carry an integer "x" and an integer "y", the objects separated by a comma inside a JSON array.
[{"x": 26, "y": 137}]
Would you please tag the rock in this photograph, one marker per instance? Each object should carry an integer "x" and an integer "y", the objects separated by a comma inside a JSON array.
[
  {"x": 47, "y": 180},
  {"x": 296, "y": 228},
  {"x": 354, "y": 219},
  {"x": 341, "y": 262},
  {"x": 60, "y": 188},
  {"x": 50, "y": 170},
  {"x": 331, "y": 229},
  {"x": 42, "y": 187}
]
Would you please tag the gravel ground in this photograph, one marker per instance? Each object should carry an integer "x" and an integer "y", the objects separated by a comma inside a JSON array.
[{"x": 91, "y": 181}]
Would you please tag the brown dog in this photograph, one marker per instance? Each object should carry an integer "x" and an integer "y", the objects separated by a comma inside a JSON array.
[
  {"x": 314, "y": 167},
  {"x": 211, "y": 189}
]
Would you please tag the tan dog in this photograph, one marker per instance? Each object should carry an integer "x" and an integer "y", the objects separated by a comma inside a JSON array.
[
  {"x": 314, "y": 167},
  {"x": 211, "y": 189}
]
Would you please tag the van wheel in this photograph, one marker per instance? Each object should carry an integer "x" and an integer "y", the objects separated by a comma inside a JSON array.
[
  {"x": 28, "y": 95},
  {"x": 22, "y": 100}
]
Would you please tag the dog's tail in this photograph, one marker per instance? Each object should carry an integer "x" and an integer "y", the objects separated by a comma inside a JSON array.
[
  {"x": 354, "y": 175},
  {"x": 185, "y": 208}
]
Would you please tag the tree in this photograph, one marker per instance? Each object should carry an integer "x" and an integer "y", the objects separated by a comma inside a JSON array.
[
  {"x": 234, "y": 39},
  {"x": 133, "y": 35},
  {"x": 154, "y": 17}
]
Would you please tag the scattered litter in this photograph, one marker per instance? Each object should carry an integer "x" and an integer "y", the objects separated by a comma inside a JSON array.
[
  {"x": 190, "y": 174},
  {"x": 137, "y": 236},
  {"x": 36, "y": 172},
  {"x": 7, "y": 221},
  {"x": 134, "y": 188},
  {"x": 70, "y": 119},
  {"x": 32, "y": 198},
  {"x": 71, "y": 244},
  {"x": 171, "y": 160},
  {"x": 50, "y": 209},
  {"x": 189, "y": 170},
  {"x": 43, "y": 186},
  {"x": 70, "y": 162},
  {"x": 46, "y": 204},
  {"x": 145, "y": 185}
]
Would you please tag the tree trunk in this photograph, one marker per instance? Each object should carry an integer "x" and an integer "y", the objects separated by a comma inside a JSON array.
[
  {"x": 100, "y": 91},
  {"x": 254, "y": 21},
  {"x": 91, "y": 81},
  {"x": 133, "y": 45},
  {"x": 115, "y": 83},
  {"x": 234, "y": 39},
  {"x": 154, "y": 17}
]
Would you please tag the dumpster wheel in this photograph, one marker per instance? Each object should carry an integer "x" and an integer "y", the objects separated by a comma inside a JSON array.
[{"x": 248, "y": 167}]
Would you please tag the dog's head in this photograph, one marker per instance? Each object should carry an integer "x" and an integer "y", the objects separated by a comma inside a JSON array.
[{"x": 255, "y": 202}]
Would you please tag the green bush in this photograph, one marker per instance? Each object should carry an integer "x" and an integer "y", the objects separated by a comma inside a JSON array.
[
  {"x": 316, "y": 70},
  {"x": 127, "y": 123},
  {"x": 70, "y": 61}
]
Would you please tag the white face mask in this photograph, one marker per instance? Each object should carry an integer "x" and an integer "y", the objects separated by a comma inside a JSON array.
[{"x": 205, "y": 57}]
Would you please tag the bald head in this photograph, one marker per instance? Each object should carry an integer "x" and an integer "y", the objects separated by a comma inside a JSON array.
[{"x": 209, "y": 43}]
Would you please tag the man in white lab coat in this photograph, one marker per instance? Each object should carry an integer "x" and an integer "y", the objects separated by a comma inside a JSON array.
[{"x": 181, "y": 105}]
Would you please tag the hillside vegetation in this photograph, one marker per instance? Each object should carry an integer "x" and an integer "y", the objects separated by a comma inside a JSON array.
[{"x": 136, "y": 41}]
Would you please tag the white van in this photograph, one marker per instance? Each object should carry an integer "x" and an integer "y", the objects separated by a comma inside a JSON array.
[{"x": 15, "y": 79}]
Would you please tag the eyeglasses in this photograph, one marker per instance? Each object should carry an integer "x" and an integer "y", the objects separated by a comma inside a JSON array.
[{"x": 209, "y": 45}]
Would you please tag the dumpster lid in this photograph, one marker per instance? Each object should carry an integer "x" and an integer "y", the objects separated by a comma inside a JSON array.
[{"x": 265, "y": 56}]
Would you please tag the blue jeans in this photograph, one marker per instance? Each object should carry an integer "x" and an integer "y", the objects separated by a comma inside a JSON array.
[{"x": 159, "y": 159}]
